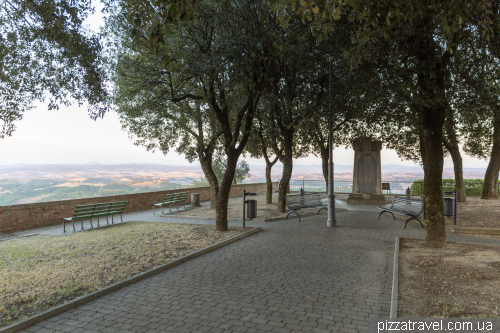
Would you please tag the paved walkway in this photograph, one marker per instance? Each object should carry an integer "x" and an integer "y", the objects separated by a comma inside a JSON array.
[
  {"x": 290, "y": 277},
  {"x": 147, "y": 215}
]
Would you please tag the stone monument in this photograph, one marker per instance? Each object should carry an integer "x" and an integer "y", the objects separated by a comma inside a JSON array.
[{"x": 367, "y": 175}]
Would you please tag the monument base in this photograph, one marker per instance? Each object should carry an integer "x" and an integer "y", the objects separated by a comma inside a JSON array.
[{"x": 366, "y": 199}]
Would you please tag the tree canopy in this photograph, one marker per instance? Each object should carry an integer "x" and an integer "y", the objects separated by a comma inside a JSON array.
[{"x": 47, "y": 54}]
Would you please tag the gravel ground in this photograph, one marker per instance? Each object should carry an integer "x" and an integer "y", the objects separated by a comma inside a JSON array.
[
  {"x": 455, "y": 281},
  {"x": 42, "y": 271}
]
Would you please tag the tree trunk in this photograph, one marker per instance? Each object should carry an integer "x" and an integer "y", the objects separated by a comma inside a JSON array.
[
  {"x": 224, "y": 190},
  {"x": 490, "y": 186},
  {"x": 433, "y": 181},
  {"x": 269, "y": 183},
  {"x": 431, "y": 69},
  {"x": 459, "y": 174},
  {"x": 287, "y": 161},
  {"x": 451, "y": 144},
  {"x": 206, "y": 166},
  {"x": 324, "y": 164}
]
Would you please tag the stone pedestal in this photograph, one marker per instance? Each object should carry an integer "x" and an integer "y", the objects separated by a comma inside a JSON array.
[
  {"x": 195, "y": 200},
  {"x": 367, "y": 175}
]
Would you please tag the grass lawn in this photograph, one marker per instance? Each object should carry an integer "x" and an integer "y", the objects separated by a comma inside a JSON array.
[{"x": 40, "y": 272}]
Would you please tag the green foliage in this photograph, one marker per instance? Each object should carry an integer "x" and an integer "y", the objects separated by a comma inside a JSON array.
[
  {"x": 200, "y": 183},
  {"x": 46, "y": 51},
  {"x": 473, "y": 187},
  {"x": 219, "y": 166}
]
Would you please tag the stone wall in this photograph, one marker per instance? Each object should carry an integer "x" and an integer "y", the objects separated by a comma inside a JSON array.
[{"x": 48, "y": 213}]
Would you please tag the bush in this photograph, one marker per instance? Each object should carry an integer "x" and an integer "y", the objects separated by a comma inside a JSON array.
[{"x": 473, "y": 187}]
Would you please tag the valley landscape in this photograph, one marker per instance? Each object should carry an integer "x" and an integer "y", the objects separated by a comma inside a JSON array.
[{"x": 30, "y": 183}]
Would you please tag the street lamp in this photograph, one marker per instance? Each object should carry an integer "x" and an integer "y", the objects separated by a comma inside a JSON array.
[{"x": 331, "y": 221}]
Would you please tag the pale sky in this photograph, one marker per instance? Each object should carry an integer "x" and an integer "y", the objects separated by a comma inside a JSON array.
[{"x": 70, "y": 136}]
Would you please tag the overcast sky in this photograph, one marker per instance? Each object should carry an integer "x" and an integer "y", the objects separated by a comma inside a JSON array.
[{"x": 70, "y": 136}]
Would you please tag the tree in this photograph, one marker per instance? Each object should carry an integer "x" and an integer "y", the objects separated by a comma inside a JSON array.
[
  {"x": 259, "y": 146},
  {"x": 215, "y": 62},
  {"x": 241, "y": 172},
  {"x": 46, "y": 52},
  {"x": 410, "y": 33}
]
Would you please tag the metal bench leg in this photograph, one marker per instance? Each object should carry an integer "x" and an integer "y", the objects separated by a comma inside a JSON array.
[
  {"x": 121, "y": 217},
  {"x": 386, "y": 211},
  {"x": 98, "y": 221},
  {"x": 177, "y": 206},
  {"x": 320, "y": 210},
  {"x": 107, "y": 221},
  {"x": 154, "y": 209},
  {"x": 413, "y": 218},
  {"x": 294, "y": 213},
  {"x": 81, "y": 225},
  {"x": 64, "y": 226},
  {"x": 91, "y": 223}
]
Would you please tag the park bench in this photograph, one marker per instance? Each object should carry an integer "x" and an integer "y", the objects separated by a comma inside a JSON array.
[
  {"x": 303, "y": 201},
  {"x": 386, "y": 187},
  {"x": 169, "y": 199},
  {"x": 90, "y": 211},
  {"x": 404, "y": 206}
]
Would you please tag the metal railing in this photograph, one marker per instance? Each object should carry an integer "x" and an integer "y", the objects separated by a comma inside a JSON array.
[{"x": 343, "y": 186}]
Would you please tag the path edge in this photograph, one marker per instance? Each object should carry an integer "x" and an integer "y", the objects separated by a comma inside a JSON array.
[
  {"x": 30, "y": 321},
  {"x": 395, "y": 282}
]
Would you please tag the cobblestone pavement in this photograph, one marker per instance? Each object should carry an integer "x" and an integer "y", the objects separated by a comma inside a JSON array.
[{"x": 290, "y": 277}]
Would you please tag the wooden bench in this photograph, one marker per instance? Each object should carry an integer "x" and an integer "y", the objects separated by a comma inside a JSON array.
[
  {"x": 173, "y": 198},
  {"x": 403, "y": 206},
  {"x": 303, "y": 201},
  {"x": 386, "y": 187},
  {"x": 88, "y": 212}
]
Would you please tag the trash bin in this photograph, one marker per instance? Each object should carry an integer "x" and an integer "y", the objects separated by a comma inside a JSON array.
[
  {"x": 251, "y": 209},
  {"x": 449, "y": 206}
]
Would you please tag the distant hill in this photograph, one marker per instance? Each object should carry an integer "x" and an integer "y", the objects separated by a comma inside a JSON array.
[{"x": 185, "y": 174}]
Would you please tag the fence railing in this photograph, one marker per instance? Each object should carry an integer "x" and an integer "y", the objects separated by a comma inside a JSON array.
[
  {"x": 344, "y": 186},
  {"x": 396, "y": 187}
]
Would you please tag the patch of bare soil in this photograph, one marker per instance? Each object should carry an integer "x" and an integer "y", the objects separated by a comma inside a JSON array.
[
  {"x": 456, "y": 281},
  {"x": 477, "y": 213},
  {"x": 42, "y": 271},
  {"x": 235, "y": 209}
]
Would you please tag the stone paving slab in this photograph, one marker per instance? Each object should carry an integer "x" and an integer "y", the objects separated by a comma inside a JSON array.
[{"x": 290, "y": 277}]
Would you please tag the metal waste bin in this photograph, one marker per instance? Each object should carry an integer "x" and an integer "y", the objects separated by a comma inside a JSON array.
[
  {"x": 251, "y": 209},
  {"x": 449, "y": 206}
]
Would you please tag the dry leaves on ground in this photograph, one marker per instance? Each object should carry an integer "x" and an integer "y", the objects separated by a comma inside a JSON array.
[{"x": 456, "y": 281}]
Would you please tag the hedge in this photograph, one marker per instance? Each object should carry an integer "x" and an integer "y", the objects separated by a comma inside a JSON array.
[{"x": 473, "y": 187}]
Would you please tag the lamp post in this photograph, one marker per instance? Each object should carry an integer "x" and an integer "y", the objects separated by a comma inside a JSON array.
[{"x": 331, "y": 222}]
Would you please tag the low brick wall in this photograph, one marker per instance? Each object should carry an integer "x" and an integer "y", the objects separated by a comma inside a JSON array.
[{"x": 48, "y": 213}]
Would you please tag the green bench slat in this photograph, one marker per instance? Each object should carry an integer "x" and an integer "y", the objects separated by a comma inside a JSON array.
[
  {"x": 172, "y": 198},
  {"x": 90, "y": 211}
]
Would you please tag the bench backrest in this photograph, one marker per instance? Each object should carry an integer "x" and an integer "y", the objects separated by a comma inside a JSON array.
[
  {"x": 386, "y": 186},
  {"x": 176, "y": 197},
  {"x": 409, "y": 206},
  {"x": 104, "y": 208},
  {"x": 303, "y": 200}
]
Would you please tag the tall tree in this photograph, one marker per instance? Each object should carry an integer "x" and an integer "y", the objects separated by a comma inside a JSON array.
[
  {"x": 217, "y": 63},
  {"x": 259, "y": 146},
  {"x": 47, "y": 53}
]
